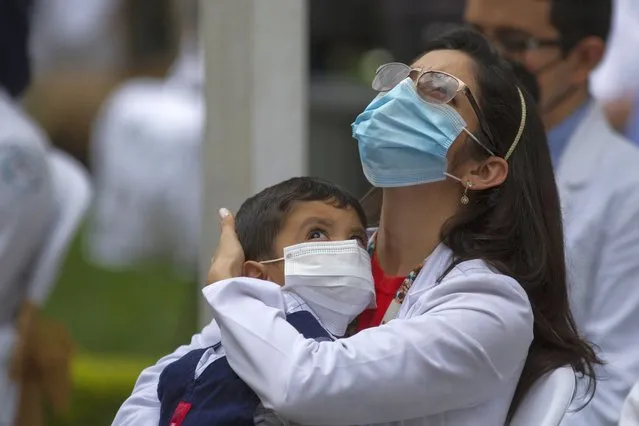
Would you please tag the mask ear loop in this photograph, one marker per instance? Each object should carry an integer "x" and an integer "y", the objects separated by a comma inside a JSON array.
[
  {"x": 520, "y": 132},
  {"x": 473, "y": 137},
  {"x": 468, "y": 185},
  {"x": 266, "y": 262}
]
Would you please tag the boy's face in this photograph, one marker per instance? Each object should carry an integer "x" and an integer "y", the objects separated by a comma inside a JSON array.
[{"x": 311, "y": 221}]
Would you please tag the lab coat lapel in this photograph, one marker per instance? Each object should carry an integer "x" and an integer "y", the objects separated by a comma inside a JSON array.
[
  {"x": 579, "y": 162},
  {"x": 577, "y": 168}
]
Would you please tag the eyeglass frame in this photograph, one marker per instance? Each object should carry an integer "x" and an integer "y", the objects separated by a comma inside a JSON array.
[
  {"x": 461, "y": 87},
  {"x": 528, "y": 42}
]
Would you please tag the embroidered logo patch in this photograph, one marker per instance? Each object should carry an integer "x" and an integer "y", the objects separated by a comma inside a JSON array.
[{"x": 21, "y": 170}]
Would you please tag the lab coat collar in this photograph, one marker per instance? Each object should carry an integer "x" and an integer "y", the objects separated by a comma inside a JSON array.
[{"x": 584, "y": 150}]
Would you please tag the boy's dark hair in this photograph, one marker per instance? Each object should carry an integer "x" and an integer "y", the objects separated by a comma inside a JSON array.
[
  {"x": 261, "y": 217},
  {"x": 577, "y": 19}
]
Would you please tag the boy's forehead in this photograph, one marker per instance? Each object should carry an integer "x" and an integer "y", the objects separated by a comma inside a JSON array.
[{"x": 327, "y": 211}]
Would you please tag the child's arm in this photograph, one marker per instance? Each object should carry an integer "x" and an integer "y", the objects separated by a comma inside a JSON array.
[{"x": 142, "y": 408}]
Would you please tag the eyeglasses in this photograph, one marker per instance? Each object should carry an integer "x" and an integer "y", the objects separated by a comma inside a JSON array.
[
  {"x": 433, "y": 86},
  {"x": 517, "y": 42}
]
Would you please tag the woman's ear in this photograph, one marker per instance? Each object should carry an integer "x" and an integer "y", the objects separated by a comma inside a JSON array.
[
  {"x": 488, "y": 174},
  {"x": 254, "y": 269}
]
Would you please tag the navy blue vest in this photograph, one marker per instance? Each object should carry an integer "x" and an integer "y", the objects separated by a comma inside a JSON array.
[{"x": 217, "y": 397}]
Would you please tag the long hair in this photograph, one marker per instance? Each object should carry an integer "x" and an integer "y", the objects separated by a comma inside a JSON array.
[{"x": 515, "y": 227}]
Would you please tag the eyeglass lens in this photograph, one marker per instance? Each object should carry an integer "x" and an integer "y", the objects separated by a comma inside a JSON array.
[{"x": 433, "y": 86}]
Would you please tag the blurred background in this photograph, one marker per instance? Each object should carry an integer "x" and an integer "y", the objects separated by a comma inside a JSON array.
[{"x": 119, "y": 85}]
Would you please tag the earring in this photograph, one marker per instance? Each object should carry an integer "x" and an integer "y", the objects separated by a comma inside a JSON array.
[{"x": 464, "y": 199}]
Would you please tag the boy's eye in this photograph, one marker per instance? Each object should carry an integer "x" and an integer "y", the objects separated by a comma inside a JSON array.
[{"x": 317, "y": 234}]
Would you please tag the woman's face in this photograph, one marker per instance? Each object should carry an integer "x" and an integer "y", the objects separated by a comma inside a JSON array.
[{"x": 461, "y": 66}]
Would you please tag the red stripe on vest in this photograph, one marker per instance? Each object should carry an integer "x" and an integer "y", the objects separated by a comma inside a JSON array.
[{"x": 180, "y": 413}]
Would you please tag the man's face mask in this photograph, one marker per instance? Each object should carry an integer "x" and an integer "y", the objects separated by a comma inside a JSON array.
[{"x": 516, "y": 43}]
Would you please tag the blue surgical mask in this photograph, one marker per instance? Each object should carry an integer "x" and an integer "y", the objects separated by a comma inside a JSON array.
[{"x": 403, "y": 140}]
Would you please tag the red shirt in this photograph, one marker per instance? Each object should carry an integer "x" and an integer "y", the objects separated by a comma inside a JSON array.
[{"x": 385, "y": 289}]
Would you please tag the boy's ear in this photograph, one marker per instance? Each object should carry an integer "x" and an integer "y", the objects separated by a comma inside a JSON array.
[{"x": 254, "y": 269}]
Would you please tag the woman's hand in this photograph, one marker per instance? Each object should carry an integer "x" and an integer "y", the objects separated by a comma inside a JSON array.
[{"x": 228, "y": 259}]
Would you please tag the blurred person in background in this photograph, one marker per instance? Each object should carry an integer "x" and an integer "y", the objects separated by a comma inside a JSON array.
[
  {"x": 562, "y": 42},
  {"x": 615, "y": 81},
  {"x": 78, "y": 52},
  {"x": 75, "y": 35},
  {"x": 406, "y": 24},
  {"x": 145, "y": 156},
  {"x": 26, "y": 200},
  {"x": 83, "y": 50}
]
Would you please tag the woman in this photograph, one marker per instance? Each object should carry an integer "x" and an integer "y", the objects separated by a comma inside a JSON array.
[
  {"x": 470, "y": 234},
  {"x": 461, "y": 350}
]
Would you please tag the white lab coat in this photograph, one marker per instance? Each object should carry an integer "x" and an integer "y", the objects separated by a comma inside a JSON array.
[
  {"x": 453, "y": 356},
  {"x": 598, "y": 180},
  {"x": 26, "y": 206},
  {"x": 145, "y": 155},
  {"x": 630, "y": 411}
]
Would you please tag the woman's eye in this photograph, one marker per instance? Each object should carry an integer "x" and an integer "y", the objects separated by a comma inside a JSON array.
[{"x": 317, "y": 235}]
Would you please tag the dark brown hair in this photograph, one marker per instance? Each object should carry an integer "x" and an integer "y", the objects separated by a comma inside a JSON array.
[
  {"x": 515, "y": 227},
  {"x": 261, "y": 217}
]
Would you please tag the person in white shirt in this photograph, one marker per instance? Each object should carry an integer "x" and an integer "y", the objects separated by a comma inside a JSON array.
[
  {"x": 468, "y": 264},
  {"x": 561, "y": 42},
  {"x": 614, "y": 82},
  {"x": 26, "y": 200},
  {"x": 145, "y": 156},
  {"x": 78, "y": 35}
]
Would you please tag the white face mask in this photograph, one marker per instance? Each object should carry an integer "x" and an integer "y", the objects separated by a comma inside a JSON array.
[{"x": 333, "y": 277}]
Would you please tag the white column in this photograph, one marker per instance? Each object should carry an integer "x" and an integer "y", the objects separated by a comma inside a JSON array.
[{"x": 256, "y": 84}]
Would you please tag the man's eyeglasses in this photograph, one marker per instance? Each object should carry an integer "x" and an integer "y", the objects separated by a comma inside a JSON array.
[{"x": 517, "y": 42}]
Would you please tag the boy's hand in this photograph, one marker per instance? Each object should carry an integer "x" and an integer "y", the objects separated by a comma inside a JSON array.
[{"x": 229, "y": 256}]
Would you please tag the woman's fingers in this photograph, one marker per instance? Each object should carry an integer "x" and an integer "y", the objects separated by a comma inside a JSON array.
[
  {"x": 229, "y": 256},
  {"x": 229, "y": 243},
  {"x": 227, "y": 226}
]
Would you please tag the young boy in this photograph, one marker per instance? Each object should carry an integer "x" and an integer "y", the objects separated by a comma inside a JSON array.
[{"x": 308, "y": 236}]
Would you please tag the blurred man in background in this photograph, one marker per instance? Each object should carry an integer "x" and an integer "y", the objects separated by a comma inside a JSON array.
[
  {"x": 615, "y": 81},
  {"x": 26, "y": 199},
  {"x": 562, "y": 42},
  {"x": 145, "y": 156}
]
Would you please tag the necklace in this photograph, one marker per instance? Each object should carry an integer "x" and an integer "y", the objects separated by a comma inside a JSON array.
[{"x": 401, "y": 293}]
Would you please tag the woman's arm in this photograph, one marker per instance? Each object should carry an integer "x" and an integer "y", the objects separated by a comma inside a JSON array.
[
  {"x": 462, "y": 344},
  {"x": 142, "y": 408}
]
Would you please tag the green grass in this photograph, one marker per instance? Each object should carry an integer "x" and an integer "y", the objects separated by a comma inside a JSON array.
[{"x": 121, "y": 322}]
